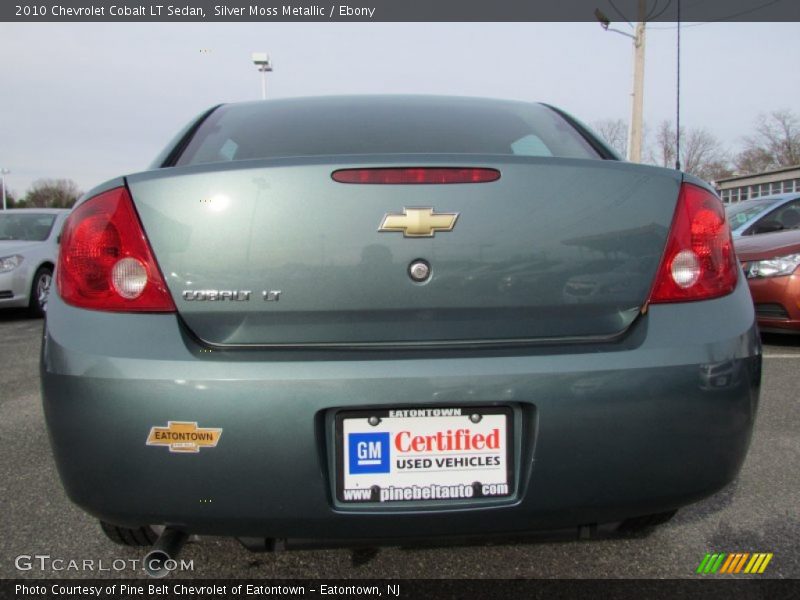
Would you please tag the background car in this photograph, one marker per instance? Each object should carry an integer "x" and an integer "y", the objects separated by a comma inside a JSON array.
[
  {"x": 28, "y": 251},
  {"x": 343, "y": 320},
  {"x": 770, "y": 263},
  {"x": 766, "y": 214}
]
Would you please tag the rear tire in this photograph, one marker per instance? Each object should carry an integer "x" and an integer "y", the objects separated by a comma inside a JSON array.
[
  {"x": 40, "y": 291},
  {"x": 126, "y": 536}
]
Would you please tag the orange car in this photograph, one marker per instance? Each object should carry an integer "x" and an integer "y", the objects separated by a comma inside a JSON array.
[{"x": 770, "y": 262}]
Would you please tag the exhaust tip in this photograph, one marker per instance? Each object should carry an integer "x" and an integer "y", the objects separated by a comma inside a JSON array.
[
  {"x": 160, "y": 561},
  {"x": 157, "y": 563}
]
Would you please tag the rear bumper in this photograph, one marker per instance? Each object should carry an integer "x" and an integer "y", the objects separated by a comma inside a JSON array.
[{"x": 653, "y": 422}]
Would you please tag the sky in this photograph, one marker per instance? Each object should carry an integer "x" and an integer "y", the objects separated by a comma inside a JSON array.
[{"x": 91, "y": 101}]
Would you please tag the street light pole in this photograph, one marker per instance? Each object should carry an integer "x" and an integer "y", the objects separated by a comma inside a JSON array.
[
  {"x": 263, "y": 64},
  {"x": 3, "y": 173}
]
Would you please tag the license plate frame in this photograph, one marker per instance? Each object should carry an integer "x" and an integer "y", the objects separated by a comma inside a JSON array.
[{"x": 496, "y": 482}]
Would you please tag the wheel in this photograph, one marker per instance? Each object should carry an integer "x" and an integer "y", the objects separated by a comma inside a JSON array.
[
  {"x": 40, "y": 291},
  {"x": 126, "y": 536}
]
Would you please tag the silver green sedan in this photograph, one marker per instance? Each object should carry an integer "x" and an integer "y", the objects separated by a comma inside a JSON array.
[{"x": 383, "y": 318}]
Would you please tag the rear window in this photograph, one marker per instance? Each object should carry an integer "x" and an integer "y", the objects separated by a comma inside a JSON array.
[
  {"x": 382, "y": 125},
  {"x": 741, "y": 212},
  {"x": 28, "y": 227}
]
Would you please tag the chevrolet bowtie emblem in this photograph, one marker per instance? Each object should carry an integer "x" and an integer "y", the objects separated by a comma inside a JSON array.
[{"x": 418, "y": 222}]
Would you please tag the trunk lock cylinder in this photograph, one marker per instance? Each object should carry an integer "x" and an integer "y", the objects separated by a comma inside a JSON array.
[{"x": 419, "y": 270}]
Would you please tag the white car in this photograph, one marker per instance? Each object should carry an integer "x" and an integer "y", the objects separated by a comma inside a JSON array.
[{"x": 28, "y": 251}]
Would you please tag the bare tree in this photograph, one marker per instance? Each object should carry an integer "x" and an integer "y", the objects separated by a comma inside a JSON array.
[
  {"x": 663, "y": 151},
  {"x": 703, "y": 155},
  {"x": 753, "y": 160},
  {"x": 718, "y": 169},
  {"x": 11, "y": 200},
  {"x": 52, "y": 193},
  {"x": 775, "y": 143},
  {"x": 614, "y": 132},
  {"x": 701, "y": 152}
]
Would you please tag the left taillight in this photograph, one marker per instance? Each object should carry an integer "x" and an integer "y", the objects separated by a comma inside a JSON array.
[{"x": 105, "y": 261}]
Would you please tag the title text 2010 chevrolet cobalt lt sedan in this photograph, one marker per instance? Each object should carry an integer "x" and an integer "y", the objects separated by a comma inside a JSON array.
[{"x": 384, "y": 318}]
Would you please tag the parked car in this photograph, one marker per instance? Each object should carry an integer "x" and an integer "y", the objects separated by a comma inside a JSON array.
[
  {"x": 766, "y": 214},
  {"x": 770, "y": 263},
  {"x": 265, "y": 336},
  {"x": 28, "y": 250}
]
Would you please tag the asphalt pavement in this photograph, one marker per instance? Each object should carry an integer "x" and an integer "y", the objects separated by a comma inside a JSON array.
[{"x": 757, "y": 513}]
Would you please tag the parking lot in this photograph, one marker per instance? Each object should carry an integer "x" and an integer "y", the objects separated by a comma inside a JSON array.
[{"x": 757, "y": 513}]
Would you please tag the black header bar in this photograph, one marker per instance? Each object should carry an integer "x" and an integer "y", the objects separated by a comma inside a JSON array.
[
  {"x": 617, "y": 11},
  {"x": 405, "y": 589}
]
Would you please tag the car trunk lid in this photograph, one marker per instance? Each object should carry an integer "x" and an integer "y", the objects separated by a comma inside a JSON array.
[{"x": 278, "y": 253}]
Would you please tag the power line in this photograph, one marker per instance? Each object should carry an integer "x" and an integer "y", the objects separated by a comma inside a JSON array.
[
  {"x": 619, "y": 12},
  {"x": 663, "y": 10},
  {"x": 722, "y": 19},
  {"x": 650, "y": 13}
]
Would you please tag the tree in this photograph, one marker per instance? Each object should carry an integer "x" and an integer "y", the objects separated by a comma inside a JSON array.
[
  {"x": 775, "y": 143},
  {"x": 52, "y": 193},
  {"x": 663, "y": 154},
  {"x": 753, "y": 160},
  {"x": 614, "y": 132},
  {"x": 716, "y": 170},
  {"x": 701, "y": 152},
  {"x": 18, "y": 203},
  {"x": 11, "y": 199},
  {"x": 703, "y": 155}
]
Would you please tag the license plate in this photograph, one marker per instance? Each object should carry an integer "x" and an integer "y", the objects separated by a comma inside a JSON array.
[{"x": 424, "y": 455}]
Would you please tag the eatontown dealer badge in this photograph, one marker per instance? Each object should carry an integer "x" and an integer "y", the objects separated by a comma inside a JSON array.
[{"x": 183, "y": 436}]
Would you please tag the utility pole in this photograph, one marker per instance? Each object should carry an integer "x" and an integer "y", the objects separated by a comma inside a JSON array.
[
  {"x": 635, "y": 127},
  {"x": 637, "y": 96}
]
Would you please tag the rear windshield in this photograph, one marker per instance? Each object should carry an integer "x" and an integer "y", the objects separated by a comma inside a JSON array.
[
  {"x": 382, "y": 125},
  {"x": 28, "y": 227},
  {"x": 742, "y": 212}
]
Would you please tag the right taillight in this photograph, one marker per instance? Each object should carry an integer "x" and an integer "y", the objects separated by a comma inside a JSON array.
[
  {"x": 699, "y": 261},
  {"x": 105, "y": 261}
]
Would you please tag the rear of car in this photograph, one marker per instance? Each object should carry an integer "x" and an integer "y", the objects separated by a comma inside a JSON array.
[
  {"x": 771, "y": 264},
  {"x": 393, "y": 318}
]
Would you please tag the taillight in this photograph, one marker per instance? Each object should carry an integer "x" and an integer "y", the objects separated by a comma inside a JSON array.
[
  {"x": 416, "y": 175},
  {"x": 699, "y": 261},
  {"x": 105, "y": 261}
]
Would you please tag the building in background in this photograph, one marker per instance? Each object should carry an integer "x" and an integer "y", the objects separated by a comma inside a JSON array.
[{"x": 744, "y": 187}]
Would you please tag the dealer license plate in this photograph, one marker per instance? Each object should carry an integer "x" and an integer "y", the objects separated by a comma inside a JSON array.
[{"x": 424, "y": 455}]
